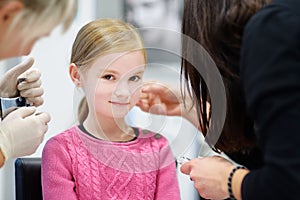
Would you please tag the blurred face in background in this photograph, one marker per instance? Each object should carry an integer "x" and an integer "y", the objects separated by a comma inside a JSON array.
[
  {"x": 15, "y": 43},
  {"x": 147, "y": 13},
  {"x": 11, "y": 38}
]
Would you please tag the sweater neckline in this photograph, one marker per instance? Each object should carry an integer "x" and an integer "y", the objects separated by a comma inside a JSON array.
[{"x": 94, "y": 139}]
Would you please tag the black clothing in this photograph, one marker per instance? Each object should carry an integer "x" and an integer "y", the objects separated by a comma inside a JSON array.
[
  {"x": 270, "y": 73},
  {"x": 252, "y": 159}
]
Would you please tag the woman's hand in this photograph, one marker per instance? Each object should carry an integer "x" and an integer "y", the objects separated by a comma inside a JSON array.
[
  {"x": 210, "y": 176},
  {"x": 160, "y": 99}
]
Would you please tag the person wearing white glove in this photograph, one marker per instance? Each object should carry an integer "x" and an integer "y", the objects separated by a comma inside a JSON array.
[
  {"x": 22, "y": 131},
  {"x": 22, "y": 23},
  {"x": 30, "y": 88}
]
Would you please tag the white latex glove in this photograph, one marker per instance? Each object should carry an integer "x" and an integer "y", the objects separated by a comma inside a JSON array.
[
  {"x": 22, "y": 131},
  {"x": 30, "y": 88}
]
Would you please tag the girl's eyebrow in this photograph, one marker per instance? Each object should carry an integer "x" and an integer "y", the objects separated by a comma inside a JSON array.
[
  {"x": 116, "y": 72},
  {"x": 102, "y": 71},
  {"x": 139, "y": 72},
  {"x": 109, "y": 71}
]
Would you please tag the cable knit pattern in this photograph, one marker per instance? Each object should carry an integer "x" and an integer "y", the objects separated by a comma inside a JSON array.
[{"x": 77, "y": 166}]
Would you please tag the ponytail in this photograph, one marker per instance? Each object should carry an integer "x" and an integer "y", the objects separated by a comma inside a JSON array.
[{"x": 83, "y": 110}]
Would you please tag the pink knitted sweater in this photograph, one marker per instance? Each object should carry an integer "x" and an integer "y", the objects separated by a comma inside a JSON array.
[{"x": 78, "y": 166}]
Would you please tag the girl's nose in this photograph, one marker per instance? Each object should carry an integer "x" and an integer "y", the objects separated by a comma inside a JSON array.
[{"x": 122, "y": 90}]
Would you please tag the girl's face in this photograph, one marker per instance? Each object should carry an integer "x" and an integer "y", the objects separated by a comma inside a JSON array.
[{"x": 112, "y": 84}]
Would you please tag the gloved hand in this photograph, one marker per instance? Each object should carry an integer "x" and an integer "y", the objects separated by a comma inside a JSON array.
[
  {"x": 22, "y": 131},
  {"x": 30, "y": 88}
]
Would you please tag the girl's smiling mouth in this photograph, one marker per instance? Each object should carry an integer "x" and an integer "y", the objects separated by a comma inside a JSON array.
[{"x": 119, "y": 103}]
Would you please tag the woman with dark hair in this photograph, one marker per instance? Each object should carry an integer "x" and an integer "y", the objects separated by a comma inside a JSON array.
[{"x": 258, "y": 60}]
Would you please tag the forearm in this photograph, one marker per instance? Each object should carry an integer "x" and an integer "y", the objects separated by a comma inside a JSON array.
[
  {"x": 2, "y": 158},
  {"x": 189, "y": 111},
  {"x": 236, "y": 183},
  {"x": 191, "y": 115},
  {"x": 3, "y": 147}
]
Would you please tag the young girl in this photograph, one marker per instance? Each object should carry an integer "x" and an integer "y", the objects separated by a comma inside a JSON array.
[{"x": 102, "y": 157}]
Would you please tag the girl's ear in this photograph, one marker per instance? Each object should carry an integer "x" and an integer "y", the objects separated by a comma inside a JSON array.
[
  {"x": 75, "y": 75},
  {"x": 9, "y": 9}
]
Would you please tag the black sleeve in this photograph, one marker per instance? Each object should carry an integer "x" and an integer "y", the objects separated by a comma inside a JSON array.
[{"x": 270, "y": 72}]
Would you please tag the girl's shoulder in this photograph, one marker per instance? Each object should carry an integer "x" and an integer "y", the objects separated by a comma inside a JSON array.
[
  {"x": 145, "y": 133},
  {"x": 63, "y": 137},
  {"x": 154, "y": 137}
]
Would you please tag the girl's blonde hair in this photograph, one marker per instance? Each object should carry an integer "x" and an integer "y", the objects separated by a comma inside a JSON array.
[
  {"x": 40, "y": 16},
  {"x": 102, "y": 37}
]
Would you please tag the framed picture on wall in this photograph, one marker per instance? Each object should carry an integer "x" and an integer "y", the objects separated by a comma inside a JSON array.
[{"x": 159, "y": 22}]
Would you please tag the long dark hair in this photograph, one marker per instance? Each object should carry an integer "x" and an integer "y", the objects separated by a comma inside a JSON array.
[{"x": 218, "y": 26}]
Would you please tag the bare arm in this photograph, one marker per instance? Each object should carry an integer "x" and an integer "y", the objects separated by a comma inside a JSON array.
[
  {"x": 237, "y": 180},
  {"x": 2, "y": 159}
]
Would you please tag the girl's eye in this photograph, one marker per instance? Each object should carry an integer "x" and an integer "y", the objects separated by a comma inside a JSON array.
[
  {"x": 134, "y": 78},
  {"x": 108, "y": 77}
]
